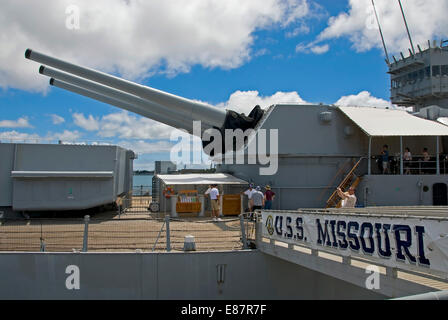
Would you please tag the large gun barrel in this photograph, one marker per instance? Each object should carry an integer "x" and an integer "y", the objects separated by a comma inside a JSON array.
[
  {"x": 194, "y": 110},
  {"x": 118, "y": 103},
  {"x": 132, "y": 103},
  {"x": 148, "y": 102}
]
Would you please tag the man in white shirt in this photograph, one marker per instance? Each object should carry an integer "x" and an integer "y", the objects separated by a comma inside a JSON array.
[
  {"x": 348, "y": 198},
  {"x": 257, "y": 199},
  {"x": 249, "y": 193},
  {"x": 214, "y": 197}
]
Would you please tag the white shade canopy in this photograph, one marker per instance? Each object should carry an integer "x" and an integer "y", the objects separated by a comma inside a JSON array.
[
  {"x": 200, "y": 179},
  {"x": 376, "y": 122}
]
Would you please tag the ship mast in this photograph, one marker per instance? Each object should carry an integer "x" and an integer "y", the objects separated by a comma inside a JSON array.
[
  {"x": 381, "y": 33},
  {"x": 407, "y": 28}
]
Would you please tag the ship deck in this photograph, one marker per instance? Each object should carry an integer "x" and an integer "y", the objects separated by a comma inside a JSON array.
[{"x": 109, "y": 232}]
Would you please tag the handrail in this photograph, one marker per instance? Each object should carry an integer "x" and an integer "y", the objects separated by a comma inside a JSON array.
[
  {"x": 334, "y": 178},
  {"x": 347, "y": 177}
]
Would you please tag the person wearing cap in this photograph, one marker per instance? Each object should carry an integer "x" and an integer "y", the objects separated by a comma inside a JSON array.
[
  {"x": 257, "y": 199},
  {"x": 249, "y": 193},
  {"x": 268, "y": 197}
]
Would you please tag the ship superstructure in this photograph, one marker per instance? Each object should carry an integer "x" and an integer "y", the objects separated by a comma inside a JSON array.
[{"x": 420, "y": 79}]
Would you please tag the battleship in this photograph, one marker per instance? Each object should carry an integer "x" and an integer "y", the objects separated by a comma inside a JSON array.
[
  {"x": 392, "y": 245},
  {"x": 346, "y": 140}
]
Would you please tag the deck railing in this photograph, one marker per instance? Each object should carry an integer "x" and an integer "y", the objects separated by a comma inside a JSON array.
[
  {"x": 416, "y": 166},
  {"x": 128, "y": 233}
]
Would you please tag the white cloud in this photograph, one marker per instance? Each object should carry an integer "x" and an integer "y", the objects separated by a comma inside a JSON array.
[
  {"x": 128, "y": 126},
  {"x": 136, "y": 38},
  {"x": 67, "y": 135},
  {"x": 89, "y": 123},
  {"x": 302, "y": 29},
  {"x": 245, "y": 101},
  {"x": 426, "y": 19},
  {"x": 57, "y": 119},
  {"x": 363, "y": 99},
  {"x": 294, "y": 10},
  {"x": 123, "y": 125},
  {"x": 15, "y": 136},
  {"x": 312, "y": 48},
  {"x": 19, "y": 123},
  {"x": 320, "y": 49}
]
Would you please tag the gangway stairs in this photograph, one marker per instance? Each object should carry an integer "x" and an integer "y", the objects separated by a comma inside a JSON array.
[{"x": 350, "y": 180}]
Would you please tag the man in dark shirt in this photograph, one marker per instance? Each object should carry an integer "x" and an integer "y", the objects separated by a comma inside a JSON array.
[
  {"x": 269, "y": 197},
  {"x": 385, "y": 158}
]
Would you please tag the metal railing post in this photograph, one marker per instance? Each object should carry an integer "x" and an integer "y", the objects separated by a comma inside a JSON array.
[
  {"x": 243, "y": 232},
  {"x": 437, "y": 157},
  {"x": 369, "y": 161},
  {"x": 86, "y": 233},
  {"x": 401, "y": 156},
  {"x": 42, "y": 241},
  {"x": 258, "y": 232},
  {"x": 168, "y": 240}
]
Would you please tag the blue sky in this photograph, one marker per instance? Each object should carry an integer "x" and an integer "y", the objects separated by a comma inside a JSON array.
[{"x": 351, "y": 61}]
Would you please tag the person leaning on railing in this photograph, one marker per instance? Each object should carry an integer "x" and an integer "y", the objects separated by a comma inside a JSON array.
[
  {"x": 257, "y": 200},
  {"x": 444, "y": 163},
  {"x": 407, "y": 158},
  {"x": 385, "y": 159},
  {"x": 425, "y": 162}
]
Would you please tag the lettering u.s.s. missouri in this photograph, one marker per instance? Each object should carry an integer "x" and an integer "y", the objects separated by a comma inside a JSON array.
[{"x": 358, "y": 236}]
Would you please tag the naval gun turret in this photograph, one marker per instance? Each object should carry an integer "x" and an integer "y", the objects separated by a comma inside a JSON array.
[
  {"x": 160, "y": 106},
  {"x": 302, "y": 151}
]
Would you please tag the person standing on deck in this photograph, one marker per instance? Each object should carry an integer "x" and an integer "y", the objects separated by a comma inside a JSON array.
[
  {"x": 385, "y": 158},
  {"x": 249, "y": 193},
  {"x": 268, "y": 197},
  {"x": 257, "y": 199},
  {"x": 214, "y": 197},
  {"x": 407, "y": 158},
  {"x": 348, "y": 198}
]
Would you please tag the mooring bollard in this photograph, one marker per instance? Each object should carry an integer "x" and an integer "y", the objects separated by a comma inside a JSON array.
[
  {"x": 243, "y": 232},
  {"x": 189, "y": 243},
  {"x": 86, "y": 233},
  {"x": 168, "y": 242}
]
